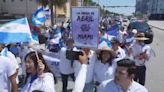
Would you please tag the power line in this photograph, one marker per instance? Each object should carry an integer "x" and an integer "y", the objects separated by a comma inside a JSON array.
[{"x": 118, "y": 6}]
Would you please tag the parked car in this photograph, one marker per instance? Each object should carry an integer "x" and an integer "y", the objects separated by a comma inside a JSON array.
[{"x": 142, "y": 26}]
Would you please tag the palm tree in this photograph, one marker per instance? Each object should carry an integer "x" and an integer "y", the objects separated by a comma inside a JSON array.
[
  {"x": 51, "y": 3},
  {"x": 87, "y": 2}
]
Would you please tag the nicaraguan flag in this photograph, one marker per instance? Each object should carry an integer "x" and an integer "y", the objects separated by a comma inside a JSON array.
[
  {"x": 113, "y": 31},
  {"x": 39, "y": 17},
  {"x": 15, "y": 31}
]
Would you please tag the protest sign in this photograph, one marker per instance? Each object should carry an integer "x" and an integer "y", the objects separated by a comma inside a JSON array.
[{"x": 85, "y": 22}]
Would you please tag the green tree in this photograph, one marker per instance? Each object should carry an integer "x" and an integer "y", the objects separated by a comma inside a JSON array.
[{"x": 87, "y": 2}]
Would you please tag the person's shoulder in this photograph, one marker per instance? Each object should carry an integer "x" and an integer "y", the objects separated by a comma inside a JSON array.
[
  {"x": 48, "y": 75},
  {"x": 106, "y": 86},
  {"x": 139, "y": 87},
  {"x": 5, "y": 61},
  {"x": 107, "y": 83},
  {"x": 3, "y": 58}
]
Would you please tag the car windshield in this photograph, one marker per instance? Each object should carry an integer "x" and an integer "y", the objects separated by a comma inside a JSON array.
[{"x": 140, "y": 25}]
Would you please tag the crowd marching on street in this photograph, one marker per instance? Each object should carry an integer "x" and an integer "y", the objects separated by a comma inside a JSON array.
[{"x": 118, "y": 64}]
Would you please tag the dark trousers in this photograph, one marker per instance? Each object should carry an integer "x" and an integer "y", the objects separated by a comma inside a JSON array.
[
  {"x": 65, "y": 81},
  {"x": 140, "y": 75}
]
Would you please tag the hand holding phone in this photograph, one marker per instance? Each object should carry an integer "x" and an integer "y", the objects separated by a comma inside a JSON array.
[
  {"x": 73, "y": 55},
  {"x": 83, "y": 58}
]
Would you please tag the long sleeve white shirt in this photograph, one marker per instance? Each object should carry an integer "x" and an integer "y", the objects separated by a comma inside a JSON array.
[
  {"x": 80, "y": 79},
  {"x": 45, "y": 84}
]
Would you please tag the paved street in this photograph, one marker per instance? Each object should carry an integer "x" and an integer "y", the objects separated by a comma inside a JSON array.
[{"x": 155, "y": 69}]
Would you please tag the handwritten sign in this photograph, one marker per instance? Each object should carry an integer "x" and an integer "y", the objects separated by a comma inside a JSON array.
[{"x": 85, "y": 22}]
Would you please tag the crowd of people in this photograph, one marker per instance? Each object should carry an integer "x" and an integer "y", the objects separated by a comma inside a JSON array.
[{"x": 117, "y": 65}]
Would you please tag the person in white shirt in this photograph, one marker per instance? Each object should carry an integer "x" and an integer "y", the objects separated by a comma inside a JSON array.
[
  {"x": 89, "y": 85},
  {"x": 104, "y": 66},
  {"x": 120, "y": 53},
  {"x": 39, "y": 76},
  {"x": 7, "y": 75},
  {"x": 66, "y": 66},
  {"x": 123, "y": 81},
  {"x": 122, "y": 35},
  {"x": 81, "y": 77},
  {"x": 5, "y": 52},
  {"x": 141, "y": 54}
]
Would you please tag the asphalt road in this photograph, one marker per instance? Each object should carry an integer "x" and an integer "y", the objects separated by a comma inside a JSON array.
[{"x": 155, "y": 68}]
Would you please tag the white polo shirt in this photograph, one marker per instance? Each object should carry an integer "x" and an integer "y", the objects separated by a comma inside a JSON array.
[
  {"x": 45, "y": 84},
  {"x": 65, "y": 64},
  {"x": 136, "y": 50},
  {"x": 7, "y": 69},
  {"x": 104, "y": 72},
  {"x": 111, "y": 86},
  {"x": 90, "y": 67}
]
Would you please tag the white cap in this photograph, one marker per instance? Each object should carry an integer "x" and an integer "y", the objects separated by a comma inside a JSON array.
[{"x": 134, "y": 31}]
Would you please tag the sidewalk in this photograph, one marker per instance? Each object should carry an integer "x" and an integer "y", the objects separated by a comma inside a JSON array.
[{"x": 157, "y": 24}]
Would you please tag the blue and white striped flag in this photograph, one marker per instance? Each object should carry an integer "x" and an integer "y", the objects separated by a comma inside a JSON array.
[
  {"x": 15, "y": 31},
  {"x": 39, "y": 17}
]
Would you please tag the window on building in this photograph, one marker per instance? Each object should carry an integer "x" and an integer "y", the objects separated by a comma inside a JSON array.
[
  {"x": 4, "y": 1},
  {"x": 12, "y": 0},
  {"x": 21, "y": 0}
]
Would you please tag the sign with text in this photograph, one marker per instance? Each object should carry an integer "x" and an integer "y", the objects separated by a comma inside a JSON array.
[{"x": 85, "y": 23}]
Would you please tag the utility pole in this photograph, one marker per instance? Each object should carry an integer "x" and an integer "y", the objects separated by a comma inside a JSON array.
[
  {"x": 82, "y": 2},
  {"x": 99, "y": 2},
  {"x": 52, "y": 16}
]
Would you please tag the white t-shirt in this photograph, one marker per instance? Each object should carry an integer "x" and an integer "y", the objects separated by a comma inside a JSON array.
[
  {"x": 111, "y": 86},
  {"x": 120, "y": 54},
  {"x": 137, "y": 50},
  {"x": 90, "y": 67},
  {"x": 12, "y": 59},
  {"x": 45, "y": 84},
  {"x": 65, "y": 64},
  {"x": 7, "y": 69},
  {"x": 104, "y": 72}
]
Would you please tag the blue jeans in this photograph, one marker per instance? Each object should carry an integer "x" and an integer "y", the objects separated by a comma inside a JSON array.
[{"x": 88, "y": 87}]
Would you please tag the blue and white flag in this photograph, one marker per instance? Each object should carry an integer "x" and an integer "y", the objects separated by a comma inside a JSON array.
[
  {"x": 39, "y": 17},
  {"x": 15, "y": 31}
]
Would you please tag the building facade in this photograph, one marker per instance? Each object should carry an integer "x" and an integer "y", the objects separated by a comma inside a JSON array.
[
  {"x": 150, "y": 6},
  {"x": 142, "y": 6},
  {"x": 156, "y": 6},
  {"x": 27, "y": 7}
]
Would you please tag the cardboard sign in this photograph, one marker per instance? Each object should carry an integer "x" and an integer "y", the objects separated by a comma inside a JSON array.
[{"x": 85, "y": 23}]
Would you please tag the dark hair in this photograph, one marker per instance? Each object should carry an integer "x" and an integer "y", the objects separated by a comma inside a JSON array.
[
  {"x": 130, "y": 64},
  {"x": 109, "y": 60},
  {"x": 32, "y": 56},
  {"x": 2, "y": 45}
]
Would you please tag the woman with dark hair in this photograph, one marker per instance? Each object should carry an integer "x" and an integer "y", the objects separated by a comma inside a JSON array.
[
  {"x": 104, "y": 66},
  {"x": 39, "y": 76}
]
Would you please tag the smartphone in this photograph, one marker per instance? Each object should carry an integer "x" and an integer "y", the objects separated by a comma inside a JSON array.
[{"x": 73, "y": 55}]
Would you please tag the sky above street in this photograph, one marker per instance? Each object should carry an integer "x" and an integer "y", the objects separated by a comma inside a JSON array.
[{"x": 122, "y": 10}]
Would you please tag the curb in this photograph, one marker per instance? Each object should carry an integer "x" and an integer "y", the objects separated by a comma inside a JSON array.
[{"x": 157, "y": 27}]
